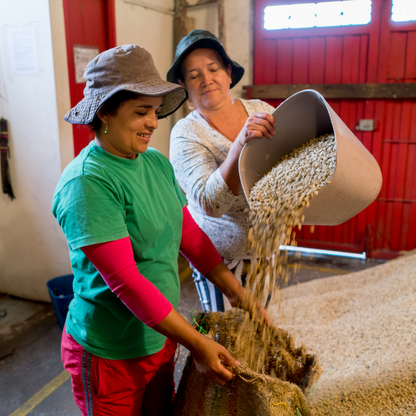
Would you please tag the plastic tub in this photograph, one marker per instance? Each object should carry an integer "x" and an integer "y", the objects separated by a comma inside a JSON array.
[
  {"x": 61, "y": 293},
  {"x": 305, "y": 115}
]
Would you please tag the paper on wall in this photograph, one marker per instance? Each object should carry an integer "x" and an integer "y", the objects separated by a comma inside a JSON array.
[
  {"x": 83, "y": 55},
  {"x": 23, "y": 54}
]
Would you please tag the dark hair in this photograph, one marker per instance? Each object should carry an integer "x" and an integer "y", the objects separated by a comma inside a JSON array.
[{"x": 111, "y": 107}]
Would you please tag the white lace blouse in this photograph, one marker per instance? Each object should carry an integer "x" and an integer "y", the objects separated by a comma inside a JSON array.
[{"x": 196, "y": 152}]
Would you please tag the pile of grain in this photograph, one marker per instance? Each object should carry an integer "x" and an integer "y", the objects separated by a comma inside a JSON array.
[
  {"x": 362, "y": 328},
  {"x": 277, "y": 202}
]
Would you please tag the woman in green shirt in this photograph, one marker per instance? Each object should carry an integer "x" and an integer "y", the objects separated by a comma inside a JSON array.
[{"x": 125, "y": 220}]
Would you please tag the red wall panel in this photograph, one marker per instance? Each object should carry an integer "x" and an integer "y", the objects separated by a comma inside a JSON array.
[
  {"x": 90, "y": 23},
  {"x": 410, "y": 71},
  {"x": 356, "y": 54}
]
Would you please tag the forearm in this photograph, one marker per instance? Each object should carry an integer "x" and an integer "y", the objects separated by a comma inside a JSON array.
[
  {"x": 196, "y": 245},
  {"x": 257, "y": 126},
  {"x": 215, "y": 196},
  {"x": 224, "y": 280},
  {"x": 199, "y": 250},
  {"x": 199, "y": 175},
  {"x": 208, "y": 355},
  {"x": 222, "y": 277},
  {"x": 115, "y": 262},
  {"x": 229, "y": 169},
  {"x": 175, "y": 327}
]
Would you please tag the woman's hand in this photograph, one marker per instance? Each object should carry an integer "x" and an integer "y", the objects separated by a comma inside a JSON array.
[
  {"x": 223, "y": 278},
  {"x": 257, "y": 125},
  {"x": 208, "y": 356},
  {"x": 245, "y": 300}
]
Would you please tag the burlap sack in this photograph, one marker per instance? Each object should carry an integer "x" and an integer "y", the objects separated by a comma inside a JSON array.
[{"x": 250, "y": 393}]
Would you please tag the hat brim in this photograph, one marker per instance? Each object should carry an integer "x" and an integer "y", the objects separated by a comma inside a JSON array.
[
  {"x": 173, "y": 97},
  {"x": 237, "y": 71}
]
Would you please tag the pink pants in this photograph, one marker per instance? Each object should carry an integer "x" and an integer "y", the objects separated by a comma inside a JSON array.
[{"x": 137, "y": 386}]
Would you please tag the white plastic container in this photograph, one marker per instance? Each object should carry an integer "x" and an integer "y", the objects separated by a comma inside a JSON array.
[{"x": 303, "y": 116}]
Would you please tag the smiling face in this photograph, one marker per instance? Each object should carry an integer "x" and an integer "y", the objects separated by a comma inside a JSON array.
[
  {"x": 206, "y": 79},
  {"x": 131, "y": 128}
]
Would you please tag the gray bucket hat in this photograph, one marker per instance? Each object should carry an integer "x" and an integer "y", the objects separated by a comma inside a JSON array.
[
  {"x": 202, "y": 39},
  {"x": 126, "y": 67}
]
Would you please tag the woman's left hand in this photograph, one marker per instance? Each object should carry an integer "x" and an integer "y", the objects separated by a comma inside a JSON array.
[
  {"x": 247, "y": 301},
  {"x": 223, "y": 278}
]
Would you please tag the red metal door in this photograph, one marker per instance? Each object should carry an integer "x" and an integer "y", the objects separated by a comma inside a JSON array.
[
  {"x": 343, "y": 55},
  {"x": 88, "y": 23},
  {"x": 396, "y": 205}
]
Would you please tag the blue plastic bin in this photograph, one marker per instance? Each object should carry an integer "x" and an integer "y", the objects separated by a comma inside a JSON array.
[{"x": 61, "y": 292}]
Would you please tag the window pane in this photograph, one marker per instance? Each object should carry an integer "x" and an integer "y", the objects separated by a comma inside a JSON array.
[
  {"x": 335, "y": 13},
  {"x": 403, "y": 10}
]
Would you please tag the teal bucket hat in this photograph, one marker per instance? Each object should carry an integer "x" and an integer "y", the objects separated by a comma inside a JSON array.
[{"x": 202, "y": 39}]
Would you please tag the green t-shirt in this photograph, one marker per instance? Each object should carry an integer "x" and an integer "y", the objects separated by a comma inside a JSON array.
[{"x": 101, "y": 197}]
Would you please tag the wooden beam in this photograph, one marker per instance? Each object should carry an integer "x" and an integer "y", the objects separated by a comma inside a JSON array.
[
  {"x": 221, "y": 23},
  {"x": 200, "y": 3},
  {"x": 181, "y": 30},
  {"x": 353, "y": 91}
]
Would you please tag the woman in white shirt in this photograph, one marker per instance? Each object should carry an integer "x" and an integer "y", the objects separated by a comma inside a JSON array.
[{"x": 205, "y": 148}]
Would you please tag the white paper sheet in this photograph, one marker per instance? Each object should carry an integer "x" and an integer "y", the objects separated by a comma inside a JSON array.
[
  {"x": 83, "y": 55},
  {"x": 23, "y": 54}
]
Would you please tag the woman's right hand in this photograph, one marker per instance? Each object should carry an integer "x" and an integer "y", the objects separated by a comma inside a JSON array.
[
  {"x": 208, "y": 356},
  {"x": 258, "y": 125}
]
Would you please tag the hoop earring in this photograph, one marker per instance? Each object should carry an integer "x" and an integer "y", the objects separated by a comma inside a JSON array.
[{"x": 106, "y": 129}]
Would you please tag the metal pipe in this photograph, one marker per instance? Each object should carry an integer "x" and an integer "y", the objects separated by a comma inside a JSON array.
[{"x": 361, "y": 256}]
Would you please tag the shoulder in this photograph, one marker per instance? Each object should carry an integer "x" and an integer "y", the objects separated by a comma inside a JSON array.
[
  {"x": 85, "y": 167},
  {"x": 152, "y": 155},
  {"x": 255, "y": 106},
  {"x": 189, "y": 127},
  {"x": 157, "y": 159},
  {"x": 74, "y": 170}
]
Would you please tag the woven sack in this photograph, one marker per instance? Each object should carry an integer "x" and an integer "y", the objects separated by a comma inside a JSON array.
[{"x": 249, "y": 393}]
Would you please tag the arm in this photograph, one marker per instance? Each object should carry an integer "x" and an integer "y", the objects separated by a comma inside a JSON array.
[
  {"x": 115, "y": 262},
  {"x": 199, "y": 250},
  {"x": 258, "y": 125},
  {"x": 197, "y": 171},
  {"x": 207, "y": 353},
  {"x": 213, "y": 187}
]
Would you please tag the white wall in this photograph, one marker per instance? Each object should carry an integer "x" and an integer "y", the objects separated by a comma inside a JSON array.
[
  {"x": 238, "y": 33},
  {"x": 63, "y": 98},
  {"x": 32, "y": 247},
  {"x": 152, "y": 29}
]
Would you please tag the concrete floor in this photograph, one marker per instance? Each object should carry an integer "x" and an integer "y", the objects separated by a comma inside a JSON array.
[{"x": 32, "y": 380}]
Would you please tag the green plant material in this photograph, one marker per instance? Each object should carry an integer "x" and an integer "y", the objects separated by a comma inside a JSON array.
[{"x": 199, "y": 323}]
